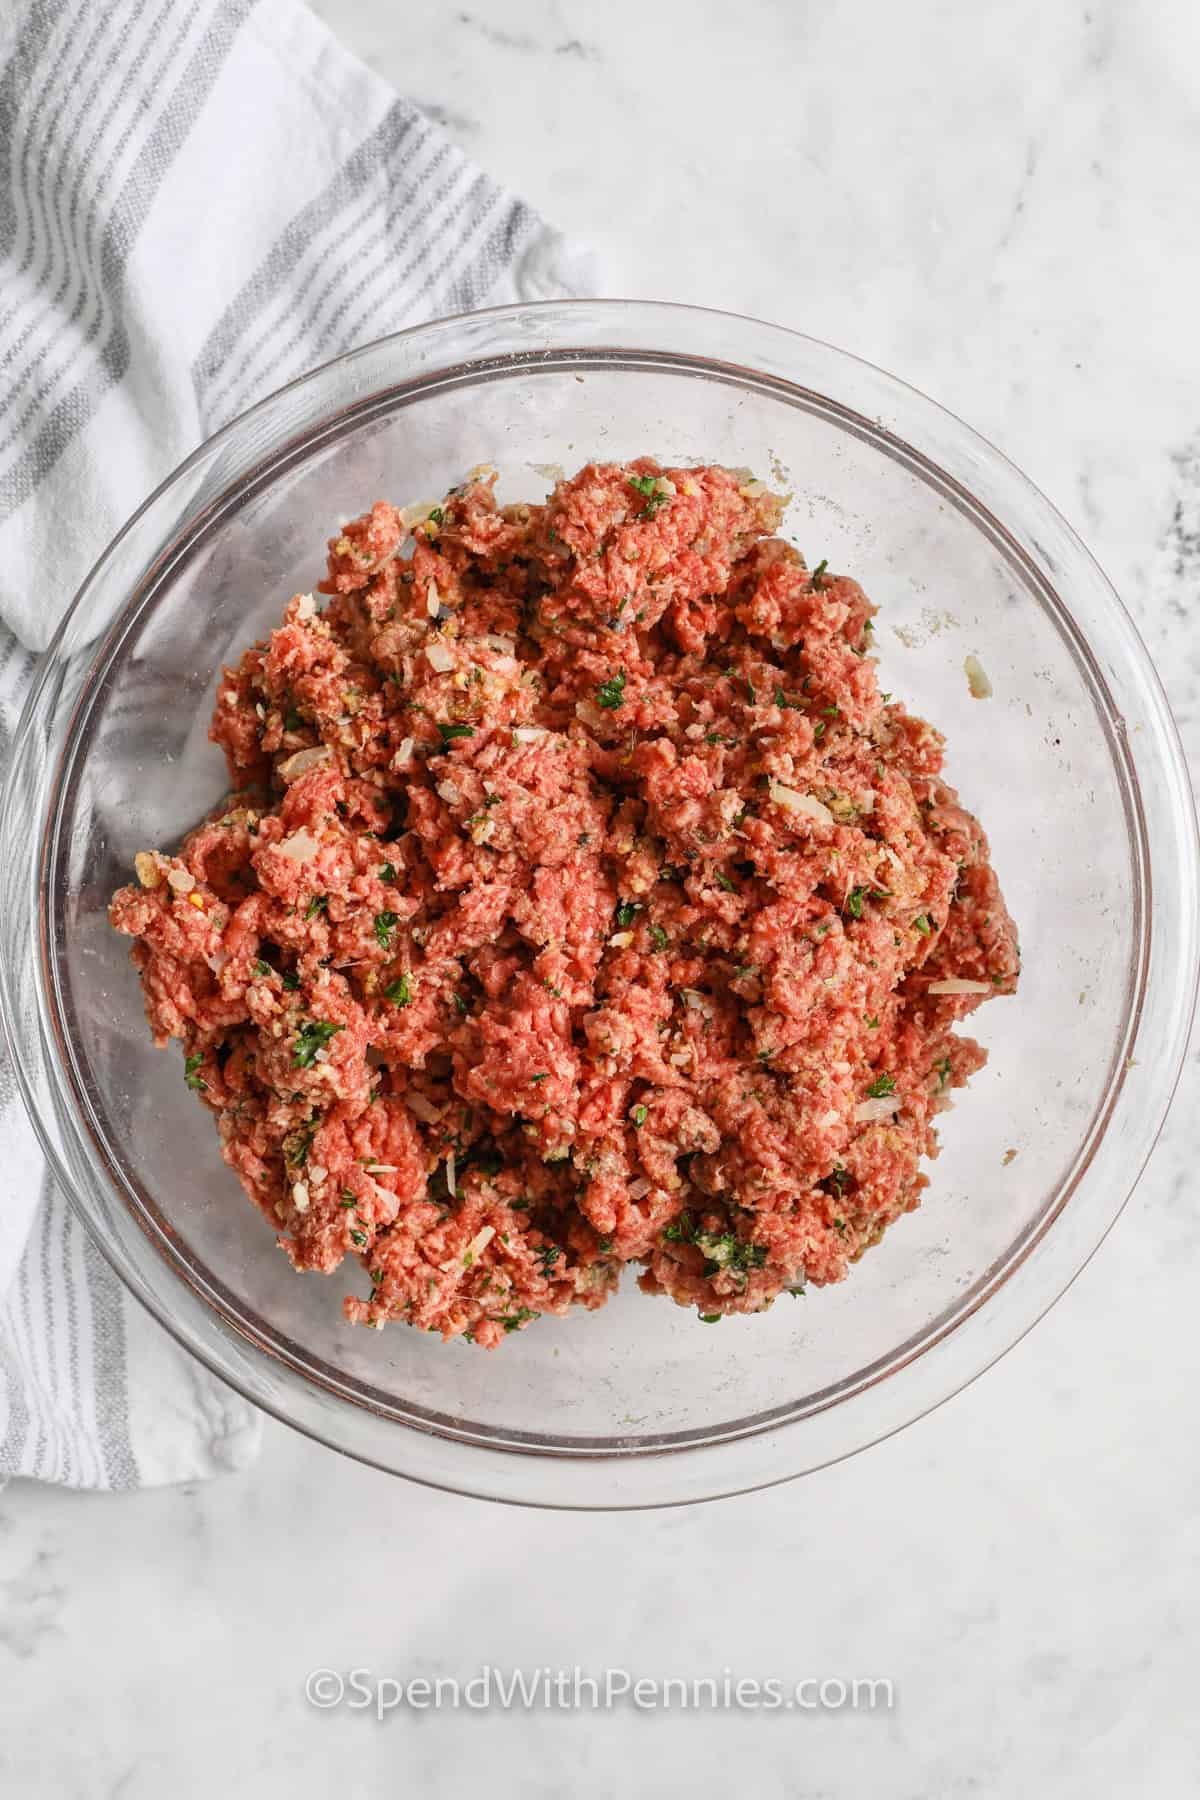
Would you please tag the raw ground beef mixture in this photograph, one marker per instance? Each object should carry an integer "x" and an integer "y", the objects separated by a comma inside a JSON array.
[{"x": 580, "y": 902}]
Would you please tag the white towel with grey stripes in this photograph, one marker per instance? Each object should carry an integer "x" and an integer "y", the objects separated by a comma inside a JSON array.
[{"x": 199, "y": 199}]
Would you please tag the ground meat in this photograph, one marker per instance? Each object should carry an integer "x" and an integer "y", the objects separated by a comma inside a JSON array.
[{"x": 581, "y": 901}]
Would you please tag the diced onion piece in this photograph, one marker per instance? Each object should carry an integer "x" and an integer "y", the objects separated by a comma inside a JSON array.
[
  {"x": 448, "y": 792},
  {"x": 956, "y": 984},
  {"x": 451, "y": 1172},
  {"x": 316, "y": 1174},
  {"x": 306, "y": 607},
  {"x": 424, "y": 1109},
  {"x": 693, "y": 998},
  {"x": 639, "y": 1189},
  {"x": 529, "y": 734},
  {"x": 181, "y": 881},
  {"x": 505, "y": 646},
  {"x": 292, "y": 767},
  {"x": 300, "y": 846},
  {"x": 438, "y": 656},
  {"x": 300, "y": 1196},
  {"x": 792, "y": 800},
  {"x": 869, "y": 1112},
  {"x": 621, "y": 940},
  {"x": 403, "y": 753},
  {"x": 382, "y": 1168},
  {"x": 478, "y": 1245},
  {"x": 147, "y": 870},
  {"x": 977, "y": 680}
]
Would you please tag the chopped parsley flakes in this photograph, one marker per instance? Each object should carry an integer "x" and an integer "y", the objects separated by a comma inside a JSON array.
[
  {"x": 193, "y": 1079},
  {"x": 399, "y": 992},
  {"x": 384, "y": 923},
  {"x": 647, "y": 486},
  {"x": 312, "y": 1036},
  {"x": 882, "y": 1086},
  {"x": 298, "y": 1144},
  {"x": 611, "y": 693},
  {"x": 729, "y": 1252}
]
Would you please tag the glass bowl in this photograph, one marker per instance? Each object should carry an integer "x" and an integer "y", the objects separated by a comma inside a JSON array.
[{"x": 1073, "y": 764}]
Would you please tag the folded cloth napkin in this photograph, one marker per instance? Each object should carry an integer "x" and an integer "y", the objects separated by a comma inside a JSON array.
[{"x": 199, "y": 199}]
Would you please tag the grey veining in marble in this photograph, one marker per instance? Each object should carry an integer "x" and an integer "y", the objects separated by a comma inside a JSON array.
[{"x": 997, "y": 202}]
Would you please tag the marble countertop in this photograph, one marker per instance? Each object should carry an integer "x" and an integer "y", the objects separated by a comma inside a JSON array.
[{"x": 998, "y": 204}]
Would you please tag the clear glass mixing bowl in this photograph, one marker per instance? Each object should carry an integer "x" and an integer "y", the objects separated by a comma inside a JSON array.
[{"x": 1073, "y": 764}]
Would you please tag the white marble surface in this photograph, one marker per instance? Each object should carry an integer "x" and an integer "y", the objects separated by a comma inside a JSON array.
[{"x": 998, "y": 203}]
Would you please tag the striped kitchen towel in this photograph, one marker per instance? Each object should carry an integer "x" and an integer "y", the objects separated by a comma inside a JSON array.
[{"x": 199, "y": 199}]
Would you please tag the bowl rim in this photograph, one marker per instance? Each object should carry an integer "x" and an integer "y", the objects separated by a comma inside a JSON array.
[{"x": 768, "y": 1427}]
